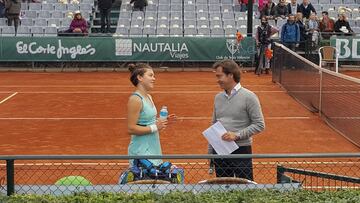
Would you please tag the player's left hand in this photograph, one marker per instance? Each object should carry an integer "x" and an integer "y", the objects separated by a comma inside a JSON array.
[{"x": 229, "y": 136}]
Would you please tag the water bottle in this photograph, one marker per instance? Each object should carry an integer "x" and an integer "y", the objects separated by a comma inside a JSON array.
[{"x": 163, "y": 113}]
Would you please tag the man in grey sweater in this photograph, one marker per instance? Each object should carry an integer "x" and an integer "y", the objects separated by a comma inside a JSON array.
[{"x": 239, "y": 111}]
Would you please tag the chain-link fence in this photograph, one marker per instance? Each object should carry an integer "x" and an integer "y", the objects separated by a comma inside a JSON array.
[{"x": 67, "y": 174}]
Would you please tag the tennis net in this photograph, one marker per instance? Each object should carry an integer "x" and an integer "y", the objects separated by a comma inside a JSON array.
[{"x": 336, "y": 97}]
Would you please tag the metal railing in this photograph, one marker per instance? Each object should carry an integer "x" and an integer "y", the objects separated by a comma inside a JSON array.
[{"x": 58, "y": 175}]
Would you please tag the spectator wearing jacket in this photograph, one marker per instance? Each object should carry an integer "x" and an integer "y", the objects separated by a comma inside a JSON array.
[
  {"x": 244, "y": 4},
  {"x": 105, "y": 9},
  {"x": 268, "y": 10},
  {"x": 79, "y": 24},
  {"x": 306, "y": 8},
  {"x": 293, "y": 7},
  {"x": 290, "y": 33},
  {"x": 303, "y": 36},
  {"x": 342, "y": 26},
  {"x": 326, "y": 25},
  {"x": 139, "y": 5},
  {"x": 12, "y": 12},
  {"x": 281, "y": 10},
  {"x": 2, "y": 8}
]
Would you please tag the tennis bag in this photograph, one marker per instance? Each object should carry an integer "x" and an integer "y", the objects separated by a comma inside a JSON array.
[{"x": 143, "y": 169}]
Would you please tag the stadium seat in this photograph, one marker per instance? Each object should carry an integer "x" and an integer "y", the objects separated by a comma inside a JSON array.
[
  {"x": 30, "y": 14},
  {"x": 3, "y": 22},
  {"x": 122, "y": 31},
  {"x": 57, "y": 14},
  {"x": 60, "y": 7},
  {"x": 213, "y": 2},
  {"x": 37, "y": 31},
  {"x": 190, "y": 32},
  {"x": 27, "y": 22},
  {"x": 230, "y": 32},
  {"x": 217, "y": 32},
  {"x": 66, "y": 22},
  {"x": 202, "y": 23},
  {"x": 35, "y": 6},
  {"x": 179, "y": 23},
  {"x": 54, "y": 22},
  {"x": 136, "y": 32},
  {"x": 24, "y": 6},
  {"x": 23, "y": 31},
  {"x": 164, "y": 7},
  {"x": 202, "y": 31},
  {"x": 189, "y": 15},
  {"x": 40, "y": 22},
  {"x": 216, "y": 24},
  {"x": 125, "y": 15},
  {"x": 149, "y": 31},
  {"x": 44, "y": 14},
  {"x": 50, "y": 31},
  {"x": 161, "y": 31},
  {"x": 75, "y": 7},
  {"x": 176, "y": 32},
  {"x": 176, "y": 8},
  {"x": 8, "y": 31},
  {"x": 47, "y": 7},
  {"x": 176, "y": 16}
]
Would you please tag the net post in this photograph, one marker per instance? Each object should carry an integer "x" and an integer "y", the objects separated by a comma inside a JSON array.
[{"x": 10, "y": 186}]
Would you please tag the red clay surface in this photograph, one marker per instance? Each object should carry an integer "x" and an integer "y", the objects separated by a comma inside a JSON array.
[
  {"x": 85, "y": 114},
  {"x": 355, "y": 74}
]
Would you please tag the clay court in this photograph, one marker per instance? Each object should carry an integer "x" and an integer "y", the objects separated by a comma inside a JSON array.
[{"x": 85, "y": 113}]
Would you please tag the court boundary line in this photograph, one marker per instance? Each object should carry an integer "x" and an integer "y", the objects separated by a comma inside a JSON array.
[
  {"x": 9, "y": 97},
  {"x": 124, "y": 118},
  {"x": 126, "y": 162},
  {"x": 87, "y": 86},
  {"x": 129, "y": 92}
]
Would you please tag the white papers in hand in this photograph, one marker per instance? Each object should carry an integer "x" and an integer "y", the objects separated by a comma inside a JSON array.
[{"x": 213, "y": 135}]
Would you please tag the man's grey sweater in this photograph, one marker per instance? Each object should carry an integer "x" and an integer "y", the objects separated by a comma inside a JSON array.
[{"x": 240, "y": 113}]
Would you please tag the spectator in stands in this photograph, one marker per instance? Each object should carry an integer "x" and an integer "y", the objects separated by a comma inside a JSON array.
[
  {"x": 312, "y": 28},
  {"x": 269, "y": 10},
  {"x": 244, "y": 5},
  {"x": 79, "y": 25},
  {"x": 326, "y": 25},
  {"x": 239, "y": 111},
  {"x": 2, "y": 8},
  {"x": 143, "y": 126},
  {"x": 139, "y": 5},
  {"x": 303, "y": 36},
  {"x": 342, "y": 26},
  {"x": 293, "y": 7},
  {"x": 105, "y": 8},
  {"x": 306, "y": 8},
  {"x": 290, "y": 33},
  {"x": 12, "y": 12},
  {"x": 263, "y": 42},
  {"x": 281, "y": 10}
]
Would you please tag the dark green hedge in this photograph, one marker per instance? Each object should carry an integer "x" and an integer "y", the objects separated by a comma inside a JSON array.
[{"x": 247, "y": 196}]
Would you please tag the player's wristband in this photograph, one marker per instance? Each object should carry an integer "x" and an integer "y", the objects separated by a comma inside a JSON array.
[{"x": 153, "y": 128}]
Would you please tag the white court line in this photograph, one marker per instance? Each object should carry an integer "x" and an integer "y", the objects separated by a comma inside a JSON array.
[
  {"x": 178, "y": 163},
  {"x": 7, "y": 98},
  {"x": 87, "y": 86},
  {"x": 129, "y": 92},
  {"x": 178, "y": 118}
]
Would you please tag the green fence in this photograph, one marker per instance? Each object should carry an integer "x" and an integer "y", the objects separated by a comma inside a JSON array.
[{"x": 107, "y": 49}]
